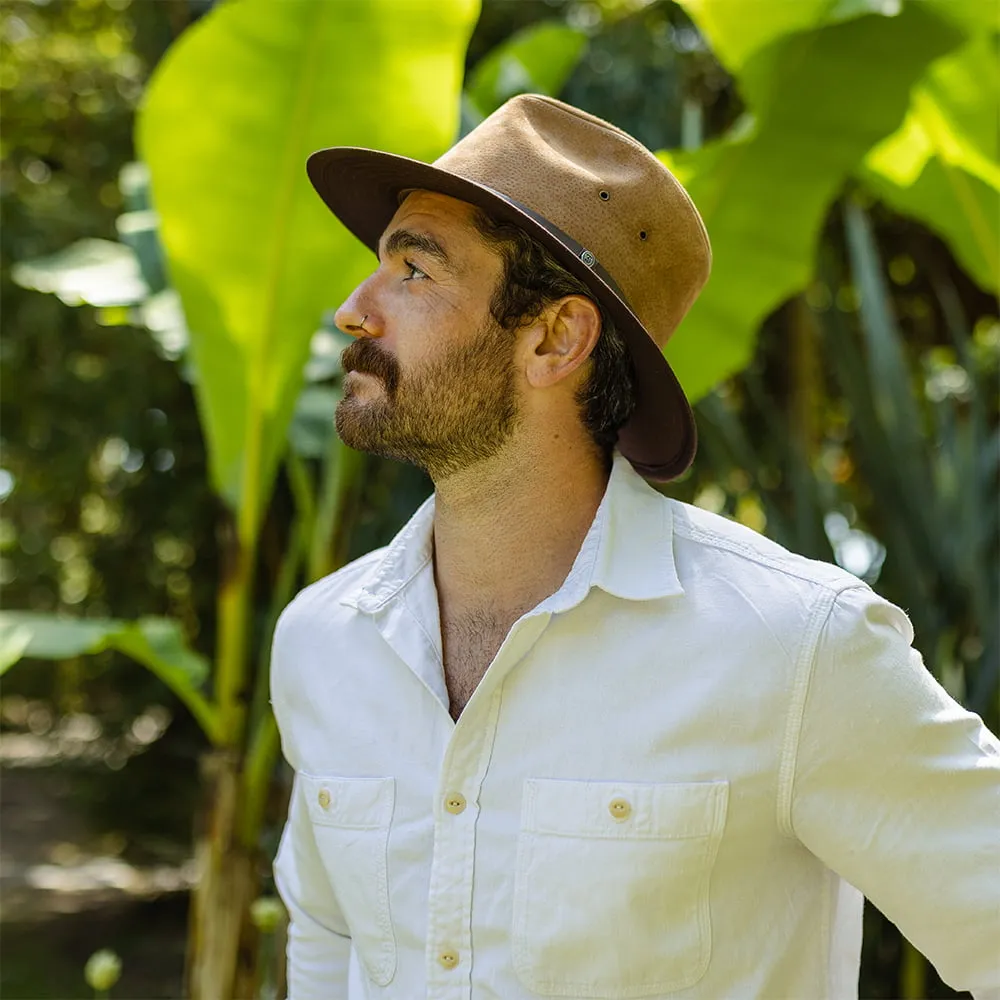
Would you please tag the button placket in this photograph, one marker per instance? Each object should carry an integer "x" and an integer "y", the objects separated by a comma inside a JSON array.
[
  {"x": 449, "y": 926},
  {"x": 454, "y": 802},
  {"x": 465, "y": 764},
  {"x": 449, "y": 930}
]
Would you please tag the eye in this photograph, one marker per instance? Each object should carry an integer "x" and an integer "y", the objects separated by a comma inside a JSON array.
[{"x": 415, "y": 271}]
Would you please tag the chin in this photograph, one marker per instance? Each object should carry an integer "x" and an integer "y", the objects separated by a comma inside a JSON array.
[{"x": 358, "y": 424}]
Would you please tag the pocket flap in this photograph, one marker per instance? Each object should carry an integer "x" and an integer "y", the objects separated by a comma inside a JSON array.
[
  {"x": 624, "y": 810},
  {"x": 353, "y": 803}
]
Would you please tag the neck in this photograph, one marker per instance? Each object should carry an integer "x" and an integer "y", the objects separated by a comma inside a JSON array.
[{"x": 507, "y": 530}]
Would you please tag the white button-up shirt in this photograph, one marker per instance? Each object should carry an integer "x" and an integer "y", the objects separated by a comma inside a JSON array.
[{"x": 676, "y": 779}]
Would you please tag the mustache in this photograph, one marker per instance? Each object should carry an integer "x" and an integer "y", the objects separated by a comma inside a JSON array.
[{"x": 364, "y": 356}]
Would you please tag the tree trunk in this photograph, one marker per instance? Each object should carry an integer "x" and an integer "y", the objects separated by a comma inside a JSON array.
[{"x": 221, "y": 937}]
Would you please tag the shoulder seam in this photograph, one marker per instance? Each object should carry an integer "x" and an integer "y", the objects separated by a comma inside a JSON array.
[{"x": 695, "y": 534}]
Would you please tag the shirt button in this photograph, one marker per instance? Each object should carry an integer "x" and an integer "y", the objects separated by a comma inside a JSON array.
[
  {"x": 448, "y": 958},
  {"x": 620, "y": 808},
  {"x": 324, "y": 798},
  {"x": 454, "y": 803}
]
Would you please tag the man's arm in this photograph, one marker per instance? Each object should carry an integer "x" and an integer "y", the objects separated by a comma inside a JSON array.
[
  {"x": 319, "y": 945},
  {"x": 896, "y": 787}
]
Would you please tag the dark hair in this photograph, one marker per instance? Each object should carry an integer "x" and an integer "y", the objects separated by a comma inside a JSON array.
[{"x": 531, "y": 280}]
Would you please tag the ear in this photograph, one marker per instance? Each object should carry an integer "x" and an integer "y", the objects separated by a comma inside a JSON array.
[{"x": 561, "y": 340}]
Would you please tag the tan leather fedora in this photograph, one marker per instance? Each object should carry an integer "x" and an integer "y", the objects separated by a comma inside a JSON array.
[{"x": 603, "y": 205}]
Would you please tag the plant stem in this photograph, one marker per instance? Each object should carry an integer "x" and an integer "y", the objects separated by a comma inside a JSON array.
[{"x": 913, "y": 974}]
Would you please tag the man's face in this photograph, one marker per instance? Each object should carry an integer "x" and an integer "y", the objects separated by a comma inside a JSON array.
[{"x": 431, "y": 378}]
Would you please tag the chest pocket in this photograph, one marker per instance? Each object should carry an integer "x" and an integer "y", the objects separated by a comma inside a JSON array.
[
  {"x": 350, "y": 820},
  {"x": 611, "y": 886}
]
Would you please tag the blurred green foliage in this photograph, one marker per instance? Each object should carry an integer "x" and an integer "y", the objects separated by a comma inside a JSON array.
[
  {"x": 536, "y": 60},
  {"x": 108, "y": 509}
]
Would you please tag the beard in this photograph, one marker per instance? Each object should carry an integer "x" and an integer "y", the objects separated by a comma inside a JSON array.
[{"x": 450, "y": 414}]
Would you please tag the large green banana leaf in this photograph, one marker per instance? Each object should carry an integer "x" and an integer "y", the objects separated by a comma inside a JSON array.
[
  {"x": 736, "y": 29},
  {"x": 229, "y": 119},
  {"x": 942, "y": 166},
  {"x": 157, "y": 643},
  {"x": 819, "y": 100}
]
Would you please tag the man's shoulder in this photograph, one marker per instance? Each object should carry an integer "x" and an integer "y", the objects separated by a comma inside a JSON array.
[
  {"x": 324, "y": 596},
  {"x": 708, "y": 542}
]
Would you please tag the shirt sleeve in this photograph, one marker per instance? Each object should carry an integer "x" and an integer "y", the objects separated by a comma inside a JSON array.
[
  {"x": 319, "y": 945},
  {"x": 896, "y": 788}
]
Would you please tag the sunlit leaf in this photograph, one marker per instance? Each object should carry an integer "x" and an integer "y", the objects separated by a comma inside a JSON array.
[
  {"x": 958, "y": 102},
  {"x": 157, "y": 643},
  {"x": 232, "y": 113},
  {"x": 736, "y": 29},
  {"x": 941, "y": 166},
  {"x": 97, "y": 272},
  {"x": 14, "y": 640},
  {"x": 973, "y": 16},
  {"x": 960, "y": 208},
  {"x": 764, "y": 189}
]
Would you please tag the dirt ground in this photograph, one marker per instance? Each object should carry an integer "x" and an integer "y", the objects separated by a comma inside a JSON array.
[{"x": 65, "y": 893}]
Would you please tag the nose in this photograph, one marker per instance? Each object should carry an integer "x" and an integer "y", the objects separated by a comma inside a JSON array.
[{"x": 357, "y": 315}]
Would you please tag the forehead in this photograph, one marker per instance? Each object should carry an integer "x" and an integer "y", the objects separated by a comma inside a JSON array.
[{"x": 440, "y": 211}]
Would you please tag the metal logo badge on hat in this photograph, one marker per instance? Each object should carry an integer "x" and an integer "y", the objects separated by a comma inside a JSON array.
[{"x": 607, "y": 209}]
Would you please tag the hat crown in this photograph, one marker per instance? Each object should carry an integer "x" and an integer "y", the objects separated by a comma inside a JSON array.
[{"x": 604, "y": 189}]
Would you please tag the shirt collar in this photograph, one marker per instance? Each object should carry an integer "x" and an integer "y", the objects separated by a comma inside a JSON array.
[{"x": 627, "y": 552}]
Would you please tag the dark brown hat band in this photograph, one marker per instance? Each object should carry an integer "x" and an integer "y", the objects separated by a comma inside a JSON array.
[{"x": 578, "y": 248}]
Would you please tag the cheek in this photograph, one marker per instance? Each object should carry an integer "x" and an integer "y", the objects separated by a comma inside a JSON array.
[
  {"x": 410, "y": 311},
  {"x": 420, "y": 327}
]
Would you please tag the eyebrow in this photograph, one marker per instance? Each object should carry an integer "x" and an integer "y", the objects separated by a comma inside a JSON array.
[{"x": 406, "y": 239}]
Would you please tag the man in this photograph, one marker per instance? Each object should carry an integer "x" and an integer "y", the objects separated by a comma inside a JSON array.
[{"x": 565, "y": 736}]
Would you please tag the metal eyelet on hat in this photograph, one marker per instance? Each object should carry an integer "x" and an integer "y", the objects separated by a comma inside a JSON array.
[
  {"x": 588, "y": 258},
  {"x": 642, "y": 234},
  {"x": 605, "y": 195}
]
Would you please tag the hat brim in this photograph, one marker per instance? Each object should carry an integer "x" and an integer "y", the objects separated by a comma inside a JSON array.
[{"x": 361, "y": 187}]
